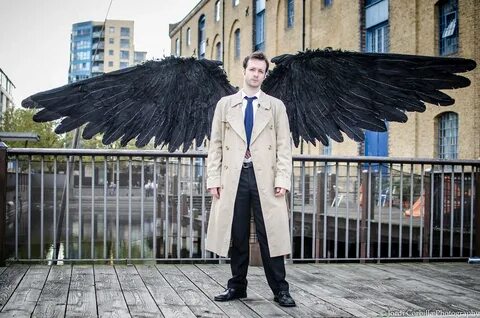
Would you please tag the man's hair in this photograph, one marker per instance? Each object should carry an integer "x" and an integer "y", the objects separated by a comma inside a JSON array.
[{"x": 257, "y": 55}]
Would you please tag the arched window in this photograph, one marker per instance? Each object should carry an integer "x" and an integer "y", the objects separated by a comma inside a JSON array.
[
  {"x": 189, "y": 36},
  {"x": 218, "y": 51},
  {"x": 177, "y": 47},
  {"x": 217, "y": 11},
  {"x": 447, "y": 135},
  {"x": 202, "y": 37},
  {"x": 290, "y": 13},
  {"x": 237, "y": 44}
]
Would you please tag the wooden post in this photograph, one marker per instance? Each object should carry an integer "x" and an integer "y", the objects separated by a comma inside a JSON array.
[{"x": 3, "y": 201}]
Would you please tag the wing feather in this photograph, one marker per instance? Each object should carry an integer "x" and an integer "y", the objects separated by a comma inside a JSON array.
[{"x": 328, "y": 92}]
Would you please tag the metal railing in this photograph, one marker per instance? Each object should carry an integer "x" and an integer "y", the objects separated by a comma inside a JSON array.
[{"x": 112, "y": 205}]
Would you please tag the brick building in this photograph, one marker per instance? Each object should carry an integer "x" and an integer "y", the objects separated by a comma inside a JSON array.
[{"x": 228, "y": 30}]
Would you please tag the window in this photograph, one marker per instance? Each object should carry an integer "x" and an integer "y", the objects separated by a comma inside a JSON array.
[
  {"x": 111, "y": 41},
  {"x": 218, "y": 50},
  {"x": 448, "y": 13},
  {"x": 125, "y": 43},
  {"x": 236, "y": 2},
  {"x": 237, "y": 44},
  {"x": 123, "y": 64},
  {"x": 111, "y": 29},
  {"x": 378, "y": 39},
  {"x": 260, "y": 25},
  {"x": 110, "y": 52},
  {"x": 447, "y": 130},
  {"x": 328, "y": 3},
  {"x": 124, "y": 55},
  {"x": 217, "y": 10},
  {"x": 290, "y": 13},
  {"x": 327, "y": 150},
  {"x": 376, "y": 25},
  {"x": 202, "y": 37},
  {"x": 189, "y": 36},
  {"x": 125, "y": 31},
  {"x": 177, "y": 47},
  {"x": 110, "y": 64}
]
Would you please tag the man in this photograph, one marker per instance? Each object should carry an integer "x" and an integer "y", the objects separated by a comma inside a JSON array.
[{"x": 249, "y": 166}]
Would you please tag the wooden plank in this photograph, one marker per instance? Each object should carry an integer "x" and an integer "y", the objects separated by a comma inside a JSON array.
[
  {"x": 23, "y": 300},
  {"x": 258, "y": 282},
  {"x": 81, "y": 297},
  {"x": 457, "y": 297},
  {"x": 110, "y": 300},
  {"x": 53, "y": 299},
  {"x": 262, "y": 306},
  {"x": 139, "y": 301},
  {"x": 465, "y": 275},
  {"x": 409, "y": 290},
  {"x": 195, "y": 299},
  {"x": 9, "y": 281},
  {"x": 360, "y": 284},
  {"x": 211, "y": 288},
  {"x": 326, "y": 275},
  {"x": 328, "y": 292},
  {"x": 164, "y": 295}
]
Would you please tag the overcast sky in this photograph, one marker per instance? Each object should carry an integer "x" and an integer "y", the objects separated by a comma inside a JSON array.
[{"x": 35, "y": 35}]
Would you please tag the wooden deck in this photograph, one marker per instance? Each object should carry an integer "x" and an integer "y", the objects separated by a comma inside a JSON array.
[{"x": 320, "y": 290}]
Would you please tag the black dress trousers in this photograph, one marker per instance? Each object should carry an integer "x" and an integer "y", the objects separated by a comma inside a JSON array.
[{"x": 247, "y": 199}]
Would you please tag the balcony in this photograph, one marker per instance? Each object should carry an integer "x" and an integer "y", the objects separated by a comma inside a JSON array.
[
  {"x": 98, "y": 57},
  {"x": 97, "y": 68},
  {"x": 98, "y": 46},
  {"x": 98, "y": 34}
]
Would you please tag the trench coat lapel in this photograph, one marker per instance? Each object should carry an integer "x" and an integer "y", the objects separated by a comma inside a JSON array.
[
  {"x": 235, "y": 116},
  {"x": 262, "y": 116}
]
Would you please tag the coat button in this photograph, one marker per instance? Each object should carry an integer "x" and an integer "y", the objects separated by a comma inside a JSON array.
[
  {"x": 226, "y": 167},
  {"x": 271, "y": 126},
  {"x": 226, "y": 147},
  {"x": 222, "y": 186},
  {"x": 269, "y": 147}
]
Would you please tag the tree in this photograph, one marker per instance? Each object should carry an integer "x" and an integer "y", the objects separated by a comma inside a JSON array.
[{"x": 20, "y": 120}]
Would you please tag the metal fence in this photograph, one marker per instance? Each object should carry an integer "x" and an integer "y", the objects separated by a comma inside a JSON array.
[{"x": 113, "y": 205}]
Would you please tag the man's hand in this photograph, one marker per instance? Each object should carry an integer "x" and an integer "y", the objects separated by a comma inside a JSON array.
[
  {"x": 280, "y": 192},
  {"x": 215, "y": 192}
]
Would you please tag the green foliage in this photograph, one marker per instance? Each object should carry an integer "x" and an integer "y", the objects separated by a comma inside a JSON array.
[{"x": 20, "y": 120}]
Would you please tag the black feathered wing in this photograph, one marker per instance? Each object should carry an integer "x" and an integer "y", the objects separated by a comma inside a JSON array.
[
  {"x": 327, "y": 92},
  {"x": 171, "y": 100}
]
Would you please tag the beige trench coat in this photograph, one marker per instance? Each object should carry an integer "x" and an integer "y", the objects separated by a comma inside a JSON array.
[{"x": 271, "y": 152}]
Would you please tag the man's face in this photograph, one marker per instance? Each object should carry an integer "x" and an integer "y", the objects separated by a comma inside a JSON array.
[{"x": 254, "y": 74}]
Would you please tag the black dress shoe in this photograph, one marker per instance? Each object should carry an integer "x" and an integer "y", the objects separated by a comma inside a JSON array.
[
  {"x": 231, "y": 294},
  {"x": 284, "y": 299}
]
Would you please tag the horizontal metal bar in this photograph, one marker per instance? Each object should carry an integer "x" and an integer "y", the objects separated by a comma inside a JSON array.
[{"x": 199, "y": 154}]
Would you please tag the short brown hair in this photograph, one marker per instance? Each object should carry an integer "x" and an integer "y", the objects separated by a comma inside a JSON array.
[{"x": 257, "y": 55}]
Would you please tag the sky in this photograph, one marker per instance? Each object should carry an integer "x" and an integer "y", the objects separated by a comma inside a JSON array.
[{"x": 35, "y": 35}]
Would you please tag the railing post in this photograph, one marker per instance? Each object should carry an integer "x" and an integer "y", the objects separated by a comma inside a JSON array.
[
  {"x": 363, "y": 221},
  {"x": 477, "y": 213},
  {"x": 3, "y": 200}
]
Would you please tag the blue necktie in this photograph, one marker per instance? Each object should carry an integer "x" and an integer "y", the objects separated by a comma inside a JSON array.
[{"x": 249, "y": 119}]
